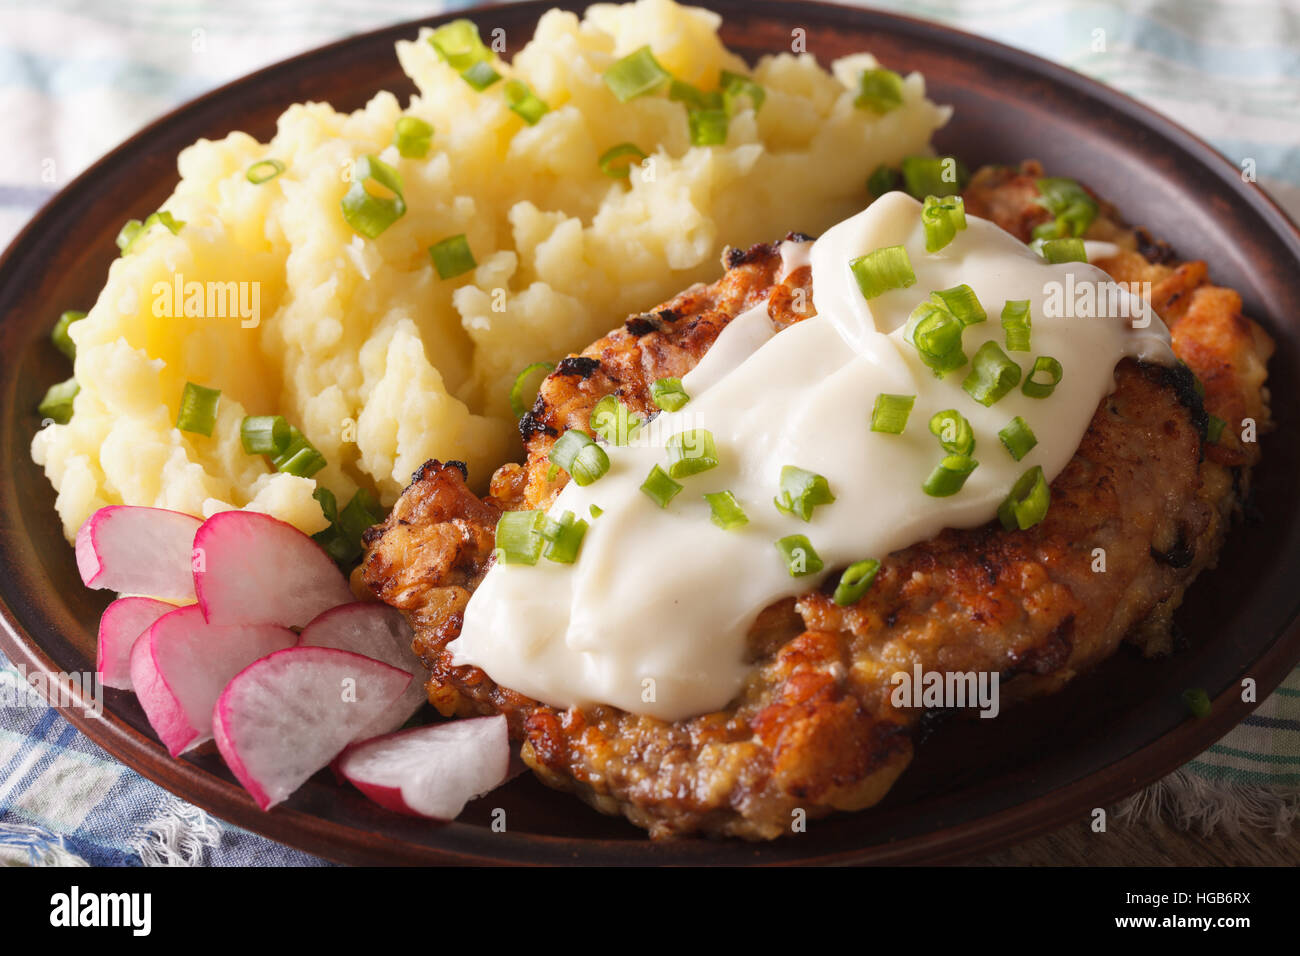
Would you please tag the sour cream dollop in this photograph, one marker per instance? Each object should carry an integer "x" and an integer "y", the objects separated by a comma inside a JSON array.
[{"x": 653, "y": 616}]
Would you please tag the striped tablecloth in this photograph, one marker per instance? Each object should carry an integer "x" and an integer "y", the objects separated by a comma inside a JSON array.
[{"x": 78, "y": 76}]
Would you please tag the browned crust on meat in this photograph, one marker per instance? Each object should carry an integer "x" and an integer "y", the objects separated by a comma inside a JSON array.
[{"x": 813, "y": 728}]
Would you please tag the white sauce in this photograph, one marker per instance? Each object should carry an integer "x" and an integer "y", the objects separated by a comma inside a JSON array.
[
  {"x": 794, "y": 256},
  {"x": 652, "y": 618}
]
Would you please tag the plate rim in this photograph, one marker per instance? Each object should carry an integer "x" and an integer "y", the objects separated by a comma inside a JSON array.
[{"x": 321, "y": 836}]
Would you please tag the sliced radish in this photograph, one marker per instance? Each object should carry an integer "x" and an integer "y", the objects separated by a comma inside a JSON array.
[
  {"x": 251, "y": 568},
  {"x": 121, "y": 624},
  {"x": 288, "y": 715},
  {"x": 381, "y": 632},
  {"x": 431, "y": 771},
  {"x": 181, "y": 665},
  {"x": 135, "y": 550}
]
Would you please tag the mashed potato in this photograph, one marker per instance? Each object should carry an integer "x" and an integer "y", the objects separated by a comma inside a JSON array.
[{"x": 359, "y": 343}]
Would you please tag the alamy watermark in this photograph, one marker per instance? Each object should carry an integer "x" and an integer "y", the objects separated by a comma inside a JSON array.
[
  {"x": 81, "y": 690},
  {"x": 1089, "y": 299},
  {"x": 208, "y": 300},
  {"x": 950, "y": 690}
]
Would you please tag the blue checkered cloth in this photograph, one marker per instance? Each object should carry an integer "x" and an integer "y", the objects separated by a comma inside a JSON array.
[
  {"x": 78, "y": 76},
  {"x": 64, "y": 801}
]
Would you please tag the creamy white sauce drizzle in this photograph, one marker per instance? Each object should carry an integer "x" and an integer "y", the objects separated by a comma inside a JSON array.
[
  {"x": 652, "y": 618},
  {"x": 794, "y": 255}
]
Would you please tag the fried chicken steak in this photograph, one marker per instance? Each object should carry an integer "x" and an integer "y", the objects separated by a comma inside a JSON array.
[{"x": 813, "y": 727}]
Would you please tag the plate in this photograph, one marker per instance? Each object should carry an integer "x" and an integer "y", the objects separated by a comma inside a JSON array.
[{"x": 975, "y": 785}]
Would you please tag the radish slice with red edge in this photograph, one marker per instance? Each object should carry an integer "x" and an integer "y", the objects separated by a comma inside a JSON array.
[
  {"x": 381, "y": 632},
  {"x": 120, "y": 626},
  {"x": 181, "y": 665},
  {"x": 286, "y": 716},
  {"x": 250, "y": 568},
  {"x": 134, "y": 550},
  {"x": 431, "y": 771}
]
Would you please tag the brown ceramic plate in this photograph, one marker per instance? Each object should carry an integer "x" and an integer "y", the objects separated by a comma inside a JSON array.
[{"x": 975, "y": 785}]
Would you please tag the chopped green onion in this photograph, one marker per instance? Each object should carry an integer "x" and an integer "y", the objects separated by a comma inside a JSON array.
[
  {"x": 734, "y": 87},
  {"x": 668, "y": 394},
  {"x": 57, "y": 403},
  {"x": 366, "y": 213},
  {"x": 883, "y": 180},
  {"x": 943, "y": 218},
  {"x": 992, "y": 375},
  {"x": 1018, "y": 437},
  {"x": 264, "y": 434},
  {"x": 596, "y": 511},
  {"x": 1197, "y": 702},
  {"x": 693, "y": 97},
  {"x": 883, "y": 269},
  {"x": 552, "y": 472},
  {"x": 578, "y": 454},
  {"x": 521, "y": 380},
  {"x": 691, "y": 452},
  {"x": 726, "y": 511},
  {"x": 661, "y": 488},
  {"x": 1057, "y": 251},
  {"x": 452, "y": 256},
  {"x": 480, "y": 76},
  {"x": 801, "y": 492},
  {"x": 949, "y": 475},
  {"x": 62, "y": 340},
  {"x": 299, "y": 456},
  {"x": 304, "y": 463},
  {"x": 933, "y": 176},
  {"x": 1214, "y": 428},
  {"x": 524, "y": 102},
  {"x": 458, "y": 43},
  {"x": 614, "y": 421},
  {"x": 708, "y": 127},
  {"x": 610, "y": 160},
  {"x": 635, "y": 75},
  {"x": 890, "y": 413},
  {"x": 961, "y": 301},
  {"x": 933, "y": 329},
  {"x": 1016, "y": 323},
  {"x": 167, "y": 219},
  {"x": 1027, "y": 503},
  {"x": 799, "y": 556},
  {"x": 198, "y": 411},
  {"x": 1034, "y": 386},
  {"x": 563, "y": 538},
  {"x": 1070, "y": 203},
  {"x": 856, "y": 581},
  {"x": 127, "y": 234},
  {"x": 263, "y": 171},
  {"x": 953, "y": 431},
  {"x": 134, "y": 229},
  {"x": 880, "y": 91},
  {"x": 936, "y": 333},
  {"x": 412, "y": 136},
  {"x": 297, "y": 441},
  {"x": 519, "y": 537}
]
